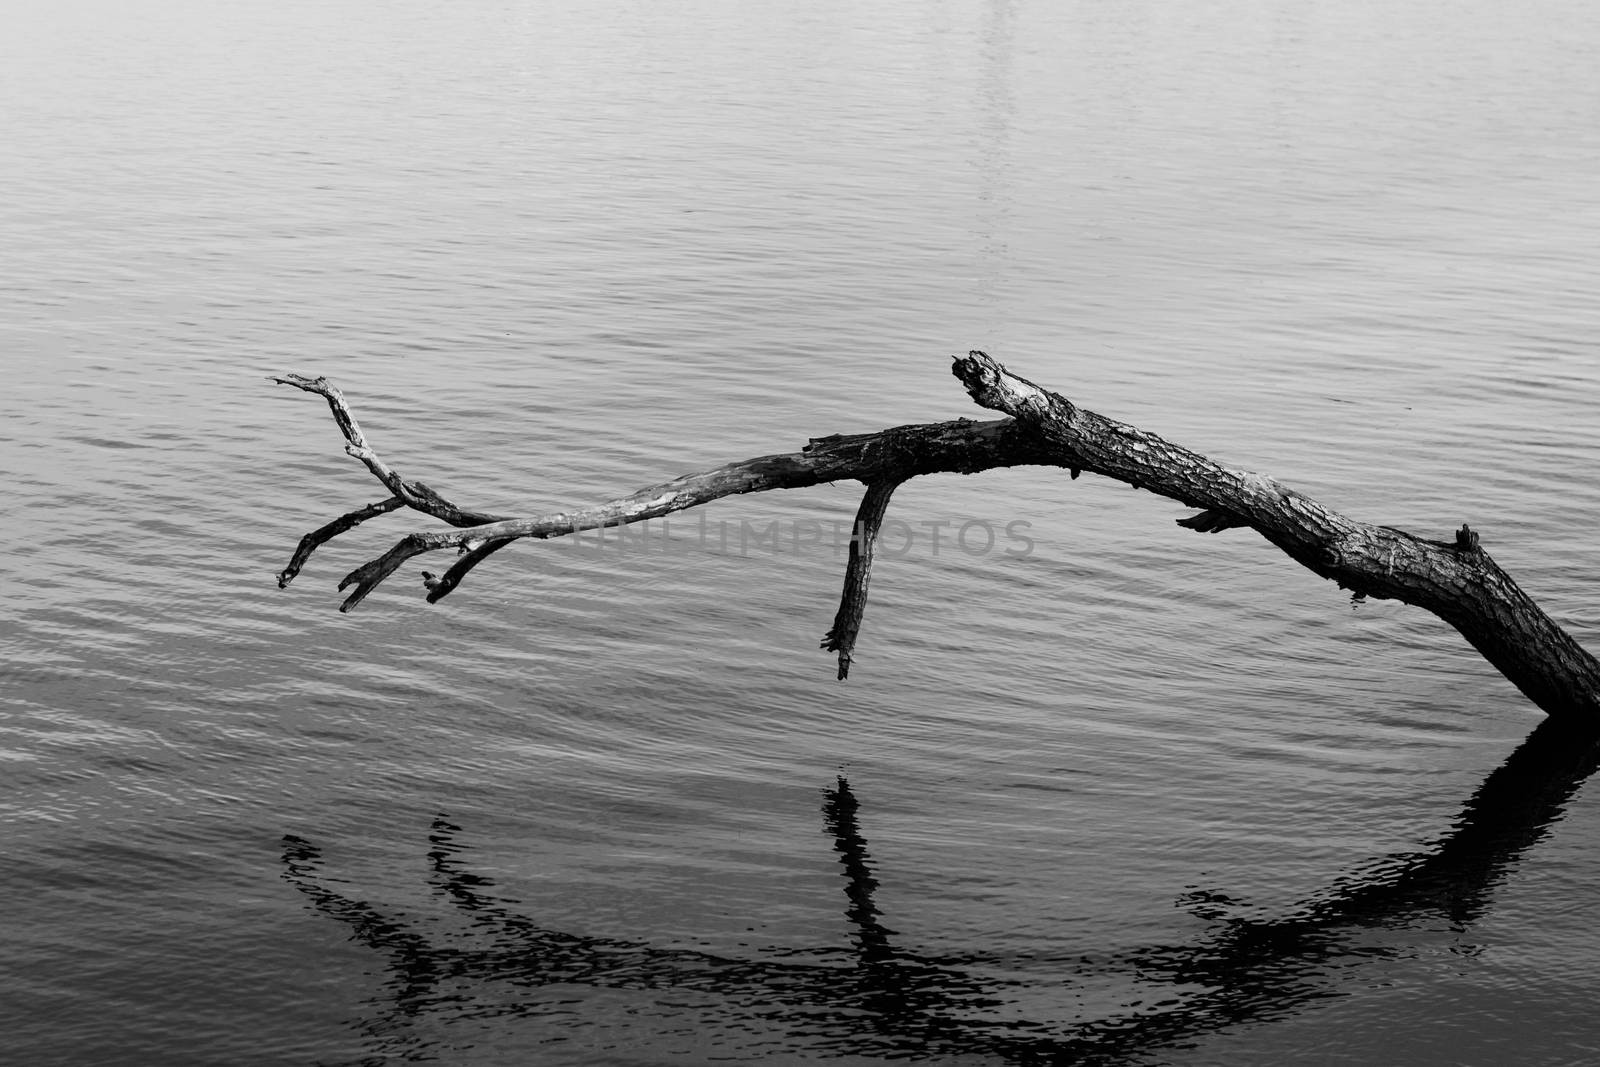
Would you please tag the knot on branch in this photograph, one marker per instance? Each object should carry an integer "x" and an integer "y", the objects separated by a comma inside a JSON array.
[{"x": 1467, "y": 539}]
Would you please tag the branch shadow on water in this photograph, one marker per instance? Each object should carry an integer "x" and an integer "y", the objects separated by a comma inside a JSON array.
[{"x": 879, "y": 999}]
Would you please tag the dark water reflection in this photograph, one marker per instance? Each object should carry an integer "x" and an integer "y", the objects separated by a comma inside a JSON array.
[{"x": 878, "y": 998}]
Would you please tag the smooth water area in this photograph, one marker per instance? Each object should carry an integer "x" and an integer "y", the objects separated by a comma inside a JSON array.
[{"x": 1130, "y": 795}]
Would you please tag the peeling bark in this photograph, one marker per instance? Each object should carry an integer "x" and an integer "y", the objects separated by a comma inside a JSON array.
[{"x": 1456, "y": 580}]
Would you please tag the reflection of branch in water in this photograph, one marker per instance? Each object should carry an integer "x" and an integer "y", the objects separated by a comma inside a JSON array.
[
  {"x": 908, "y": 1000},
  {"x": 1252, "y": 970},
  {"x": 416, "y": 964},
  {"x": 1510, "y": 812},
  {"x": 839, "y": 812},
  {"x": 881, "y": 999}
]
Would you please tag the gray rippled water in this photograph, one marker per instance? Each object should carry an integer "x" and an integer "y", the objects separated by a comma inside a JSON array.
[{"x": 1129, "y": 796}]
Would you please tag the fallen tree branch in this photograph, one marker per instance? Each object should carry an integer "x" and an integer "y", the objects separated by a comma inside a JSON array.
[{"x": 1456, "y": 580}]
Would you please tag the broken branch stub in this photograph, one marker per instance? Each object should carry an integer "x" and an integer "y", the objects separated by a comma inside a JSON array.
[{"x": 1456, "y": 580}]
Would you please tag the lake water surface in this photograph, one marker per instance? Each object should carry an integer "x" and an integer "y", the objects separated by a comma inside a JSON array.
[{"x": 1130, "y": 796}]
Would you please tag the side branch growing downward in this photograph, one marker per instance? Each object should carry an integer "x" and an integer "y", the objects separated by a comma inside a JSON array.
[{"x": 841, "y": 638}]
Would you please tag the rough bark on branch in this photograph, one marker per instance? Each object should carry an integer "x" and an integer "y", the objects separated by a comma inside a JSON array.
[{"x": 1456, "y": 580}]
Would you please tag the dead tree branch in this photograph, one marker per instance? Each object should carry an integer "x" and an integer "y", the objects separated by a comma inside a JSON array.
[{"x": 1456, "y": 580}]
